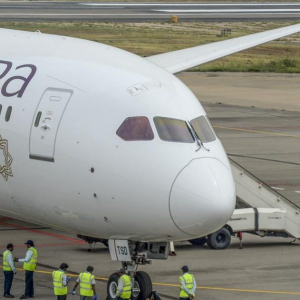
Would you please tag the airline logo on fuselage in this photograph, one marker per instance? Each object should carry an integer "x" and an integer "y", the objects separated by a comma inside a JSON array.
[
  {"x": 5, "y": 73},
  {"x": 5, "y": 170}
]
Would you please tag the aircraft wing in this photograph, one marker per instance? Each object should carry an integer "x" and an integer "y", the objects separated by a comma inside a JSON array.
[{"x": 180, "y": 60}]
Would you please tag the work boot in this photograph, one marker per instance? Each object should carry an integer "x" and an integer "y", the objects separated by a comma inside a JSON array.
[
  {"x": 24, "y": 297},
  {"x": 9, "y": 296}
]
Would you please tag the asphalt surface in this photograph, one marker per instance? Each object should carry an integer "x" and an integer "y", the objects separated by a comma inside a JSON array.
[
  {"x": 141, "y": 12},
  {"x": 267, "y": 268},
  {"x": 267, "y": 142}
]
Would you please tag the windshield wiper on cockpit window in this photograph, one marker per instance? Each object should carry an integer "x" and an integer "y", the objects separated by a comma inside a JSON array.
[{"x": 194, "y": 133}]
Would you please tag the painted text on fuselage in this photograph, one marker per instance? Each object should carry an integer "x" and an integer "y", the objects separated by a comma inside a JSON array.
[{"x": 4, "y": 74}]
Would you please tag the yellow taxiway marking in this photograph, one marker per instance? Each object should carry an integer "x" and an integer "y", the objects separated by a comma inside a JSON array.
[
  {"x": 231, "y": 290},
  {"x": 70, "y": 275},
  {"x": 199, "y": 287},
  {"x": 258, "y": 131}
]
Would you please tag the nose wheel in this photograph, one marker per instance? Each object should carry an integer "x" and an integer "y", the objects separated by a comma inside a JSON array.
[
  {"x": 141, "y": 286},
  {"x": 112, "y": 286}
]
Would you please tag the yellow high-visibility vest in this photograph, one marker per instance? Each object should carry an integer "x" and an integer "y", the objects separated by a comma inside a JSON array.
[
  {"x": 86, "y": 284},
  {"x": 6, "y": 265},
  {"x": 126, "y": 292},
  {"x": 189, "y": 283},
  {"x": 59, "y": 288},
  {"x": 31, "y": 265}
]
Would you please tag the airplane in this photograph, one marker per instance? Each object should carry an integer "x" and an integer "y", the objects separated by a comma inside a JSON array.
[{"x": 101, "y": 142}]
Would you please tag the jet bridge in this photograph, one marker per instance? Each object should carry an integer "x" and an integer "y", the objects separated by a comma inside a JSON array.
[{"x": 260, "y": 210}]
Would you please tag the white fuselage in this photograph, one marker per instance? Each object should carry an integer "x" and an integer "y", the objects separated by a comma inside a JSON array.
[{"x": 75, "y": 173}]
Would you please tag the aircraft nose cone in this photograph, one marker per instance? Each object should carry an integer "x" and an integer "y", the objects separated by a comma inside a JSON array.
[{"x": 202, "y": 198}]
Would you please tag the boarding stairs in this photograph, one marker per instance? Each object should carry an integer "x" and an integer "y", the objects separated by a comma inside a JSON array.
[{"x": 265, "y": 211}]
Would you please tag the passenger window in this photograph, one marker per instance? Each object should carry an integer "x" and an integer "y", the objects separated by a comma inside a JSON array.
[
  {"x": 173, "y": 130},
  {"x": 136, "y": 129},
  {"x": 37, "y": 119},
  {"x": 203, "y": 129},
  {"x": 8, "y": 113}
]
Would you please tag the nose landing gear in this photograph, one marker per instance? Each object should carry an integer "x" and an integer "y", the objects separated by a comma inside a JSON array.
[{"x": 133, "y": 254}]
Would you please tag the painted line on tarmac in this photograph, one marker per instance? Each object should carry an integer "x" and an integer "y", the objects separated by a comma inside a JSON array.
[
  {"x": 73, "y": 274},
  {"x": 231, "y": 290},
  {"x": 17, "y": 229},
  {"x": 248, "y": 291},
  {"x": 59, "y": 236},
  {"x": 177, "y": 285},
  {"x": 186, "y": 4},
  {"x": 5, "y": 219},
  {"x": 284, "y": 184},
  {"x": 277, "y": 188},
  {"x": 258, "y": 131},
  {"x": 158, "y": 15},
  {"x": 14, "y": 6},
  {"x": 228, "y": 10},
  {"x": 80, "y": 15},
  {"x": 43, "y": 245},
  {"x": 266, "y": 159}
]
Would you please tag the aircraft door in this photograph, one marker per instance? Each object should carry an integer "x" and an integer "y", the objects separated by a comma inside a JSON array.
[{"x": 46, "y": 123}]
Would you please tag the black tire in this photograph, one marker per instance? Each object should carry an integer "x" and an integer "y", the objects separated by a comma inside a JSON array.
[
  {"x": 112, "y": 286},
  {"x": 220, "y": 239},
  {"x": 198, "y": 242},
  {"x": 144, "y": 283}
]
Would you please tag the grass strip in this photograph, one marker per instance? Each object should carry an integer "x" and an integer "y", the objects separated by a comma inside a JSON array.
[{"x": 145, "y": 39}]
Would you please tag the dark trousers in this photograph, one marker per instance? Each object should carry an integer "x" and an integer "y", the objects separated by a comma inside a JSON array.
[
  {"x": 8, "y": 279},
  {"x": 86, "y": 298},
  {"x": 29, "y": 291},
  {"x": 62, "y": 297}
]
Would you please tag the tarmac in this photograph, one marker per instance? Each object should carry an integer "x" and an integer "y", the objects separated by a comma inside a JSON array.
[
  {"x": 256, "y": 116},
  {"x": 141, "y": 12}
]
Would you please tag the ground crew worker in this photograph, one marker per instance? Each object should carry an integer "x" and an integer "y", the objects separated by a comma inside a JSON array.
[
  {"x": 8, "y": 270},
  {"x": 29, "y": 264},
  {"x": 124, "y": 285},
  {"x": 60, "y": 282},
  {"x": 87, "y": 284},
  {"x": 187, "y": 284}
]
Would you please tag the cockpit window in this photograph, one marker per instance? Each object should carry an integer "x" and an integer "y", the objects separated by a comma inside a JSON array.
[
  {"x": 203, "y": 130},
  {"x": 173, "y": 130},
  {"x": 136, "y": 129}
]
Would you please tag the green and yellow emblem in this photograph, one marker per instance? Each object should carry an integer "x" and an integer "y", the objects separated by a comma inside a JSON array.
[{"x": 5, "y": 170}]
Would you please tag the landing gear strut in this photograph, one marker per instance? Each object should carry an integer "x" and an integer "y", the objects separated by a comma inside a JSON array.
[{"x": 133, "y": 254}]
